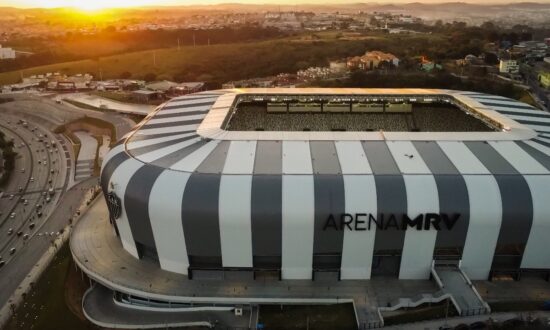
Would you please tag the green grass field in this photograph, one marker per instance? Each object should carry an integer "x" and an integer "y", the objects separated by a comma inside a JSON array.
[{"x": 224, "y": 62}]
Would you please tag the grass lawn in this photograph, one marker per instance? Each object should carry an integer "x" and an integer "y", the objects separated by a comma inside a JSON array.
[{"x": 321, "y": 317}]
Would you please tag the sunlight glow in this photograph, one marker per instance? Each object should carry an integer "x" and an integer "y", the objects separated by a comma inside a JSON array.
[{"x": 91, "y": 5}]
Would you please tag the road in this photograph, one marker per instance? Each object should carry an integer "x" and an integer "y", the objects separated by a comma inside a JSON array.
[
  {"x": 52, "y": 114},
  {"x": 27, "y": 191},
  {"x": 27, "y": 199}
]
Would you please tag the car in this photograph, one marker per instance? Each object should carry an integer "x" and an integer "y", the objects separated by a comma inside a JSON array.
[
  {"x": 11, "y": 197},
  {"x": 26, "y": 202},
  {"x": 38, "y": 206},
  {"x": 39, "y": 213},
  {"x": 39, "y": 162},
  {"x": 19, "y": 233},
  {"x": 12, "y": 215},
  {"x": 10, "y": 231},
  {"x": 22, "y": 170},
  {"x": 31, "y": 225},
  {"x": 2, "y": 263},
  {"x": 51, "y": 171},
  {"x": 32, "y": 179},
  {"x": 26, "y": 236},
  {"x": 48, "y": 200},
  {"x": 12, "y": 251}
]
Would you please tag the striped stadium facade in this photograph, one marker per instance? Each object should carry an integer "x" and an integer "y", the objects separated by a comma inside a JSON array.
[{"x": 197, "y": 197}]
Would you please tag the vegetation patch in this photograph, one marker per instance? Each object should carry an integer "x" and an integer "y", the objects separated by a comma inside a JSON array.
[
  {"x": 45, "y": 307},
  {"x": 316, "y": 317},
  {"x": 7, "y": 161}
]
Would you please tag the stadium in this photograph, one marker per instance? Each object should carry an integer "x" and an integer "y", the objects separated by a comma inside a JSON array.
[
  {"x": 246, "y": 180},
  {"x": 332, "y": 185}
]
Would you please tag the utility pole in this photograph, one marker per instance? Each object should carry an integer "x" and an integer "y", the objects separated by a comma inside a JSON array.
[
  {"x": 194, "y": 44},
  {"x": 178, "y": 44}
]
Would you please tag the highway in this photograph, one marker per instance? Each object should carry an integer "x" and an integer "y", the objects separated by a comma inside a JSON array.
[
  {"x": 39, "y": 166},
  {"x": 27, "y": 199}
]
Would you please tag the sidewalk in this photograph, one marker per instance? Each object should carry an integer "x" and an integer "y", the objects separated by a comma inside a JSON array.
[{"x": 453, "y": 322}]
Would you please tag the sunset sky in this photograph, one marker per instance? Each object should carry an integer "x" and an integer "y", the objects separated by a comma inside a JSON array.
[{"x": 100, "y": 4}]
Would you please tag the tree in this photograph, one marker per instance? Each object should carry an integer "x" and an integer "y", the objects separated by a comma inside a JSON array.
[
  {"x": 150, "y": 77},
  {"x": 125, "y": 75}
]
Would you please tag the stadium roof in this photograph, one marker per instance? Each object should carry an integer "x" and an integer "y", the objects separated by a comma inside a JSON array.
[{"x": 186, "y": 134}]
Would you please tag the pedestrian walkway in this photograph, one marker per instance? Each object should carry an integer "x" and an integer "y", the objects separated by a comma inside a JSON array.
[
  {"x": 86, "y": 156},
  {"x": 456, "y": 283}
]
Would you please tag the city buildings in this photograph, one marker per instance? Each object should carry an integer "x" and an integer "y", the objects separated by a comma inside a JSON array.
[
  {"x": 372, "y": 60},
  {"x": 508, "y": 66},
  {"x": 6, "y": 53}
]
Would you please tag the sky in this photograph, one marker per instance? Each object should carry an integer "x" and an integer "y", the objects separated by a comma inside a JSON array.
[{"x": 100, "y": 4}]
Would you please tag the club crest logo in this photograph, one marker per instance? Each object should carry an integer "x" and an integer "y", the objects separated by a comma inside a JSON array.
[{"x": 114, "y": 205}]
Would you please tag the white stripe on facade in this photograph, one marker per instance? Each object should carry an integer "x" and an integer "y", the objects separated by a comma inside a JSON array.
[
  {"x": 240, "y": 158},
  {"x": 194, "y": 159},
  {"x": 536, "y": 253},
  {"x": 149, "y": 142},
  {"x": 119, "y": 181},
  {"x": 298, "y": 217},
  {"x": 358, "y": 246},
  {"x": 541, "y": 120},
  {"x": 462, "y": 158},
  {"x": 518, "y": 158},
  {"x": 156, "y": 154},
  {"x": 113, "y": 152},
  {"x": 192, "y": 100},
  {"x": 174, "y": 119},
  {"x": 484, "y": 225},
  {"x": 419, "y": 245},
  {"x": 407, "y": 158},
  {"x": 166, "y": 222},
  {"x": 235, "y": 220},
  {"x": 182, "y": 128},
  {"x": 352, "y": 157},
  {"x": 544, "y": 149},
  {"x": 182, "y": 110},
  {"x": 297, "y": 157}
]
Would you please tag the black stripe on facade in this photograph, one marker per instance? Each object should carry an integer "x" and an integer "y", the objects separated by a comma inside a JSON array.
[
  {"x": 173, "y": 124},
  {"x": 200, "y": 218},
  {"x": 266, "y": 220},
  {"x": 141, "y": 137},
  {"x": 178, "y": 155},
  {"x": 391, "y": 196},
  {"x": 517, "y": 206},
  {"x": 266, "y": 205},
  {"x": 538, "y": 155},
  {"x": 535, "y": 114},
  {"x": 511, "y": 106},
  {"x": 145, "y": 149},
  {"x": 110, "y": 167},
  {"x": 200, "y": 210},
  {"x": 136, "y": 204},
  {"x": 329, "y": 200},
  {"x": 180, "y": 114},
  {"x": 532, "y": 122},
  {"x": 183, "y": 106},
  {"x": 452, "y": 193}
]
